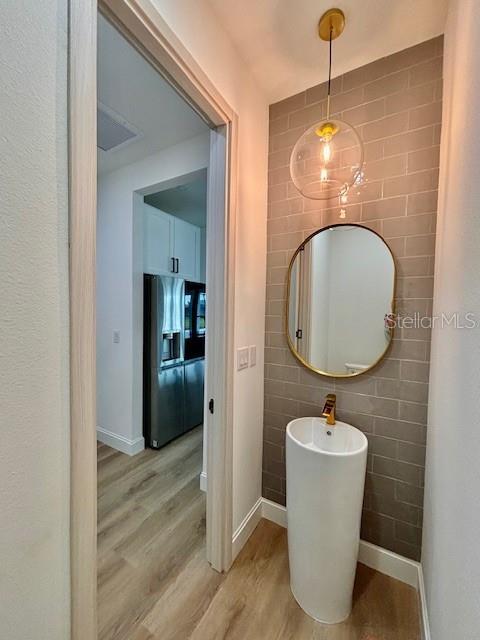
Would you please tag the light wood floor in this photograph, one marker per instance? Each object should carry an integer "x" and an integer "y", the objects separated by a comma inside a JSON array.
[{"x": 155, "y": 584}]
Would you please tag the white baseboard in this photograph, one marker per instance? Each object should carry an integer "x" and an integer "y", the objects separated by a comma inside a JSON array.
[
  {"x": 120, "y": 443},
  {"x": 246, "y": 528},
  {"x": 422, "y": 601},
  {"x": 274, "y": 512},
  {"x": 375, "y": 557},
  {"x": 389, "y": 563},
  {"x": 203, "y": 481}
]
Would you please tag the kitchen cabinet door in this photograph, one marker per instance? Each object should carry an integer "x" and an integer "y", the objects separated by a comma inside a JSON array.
[
  {"x": 187, "y": 250},
  {"x": 158, "y": 244}
]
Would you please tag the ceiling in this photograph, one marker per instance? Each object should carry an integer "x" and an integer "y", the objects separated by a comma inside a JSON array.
[
  {"x": 131, "y": 88},
  {"x": 187, "y": 201},
  {"x": 278, "y": 38}
]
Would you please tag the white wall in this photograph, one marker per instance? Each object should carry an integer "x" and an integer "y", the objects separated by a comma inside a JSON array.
[
  {"x": 34, "y": 411},
  {"x": 451, "y": 549},
  {"x": 120, "y": 284},
  {"x": 213, "y": 50}
]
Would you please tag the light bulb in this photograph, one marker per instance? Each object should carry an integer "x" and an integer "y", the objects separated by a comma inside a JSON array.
[
  {"x": 313, "y": 163},
  {"x": 327, "y": 152}
]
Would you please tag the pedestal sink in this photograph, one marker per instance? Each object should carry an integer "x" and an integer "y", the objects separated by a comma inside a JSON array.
[{"x": 325, "y": 482}]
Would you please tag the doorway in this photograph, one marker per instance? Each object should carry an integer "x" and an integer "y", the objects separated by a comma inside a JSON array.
[
  {"x": 153, "y": 153},
  {"x": 219, "y": 269}
]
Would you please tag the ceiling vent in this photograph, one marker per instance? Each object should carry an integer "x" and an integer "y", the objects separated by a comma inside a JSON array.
[{"x": 113, "y": 131}]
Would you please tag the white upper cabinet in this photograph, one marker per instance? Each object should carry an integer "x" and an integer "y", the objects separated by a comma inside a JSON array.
[
  {"x": 171, "y": 246},
  {"x": 187, "y": 249},
  {"x": 158, "y": 235}
]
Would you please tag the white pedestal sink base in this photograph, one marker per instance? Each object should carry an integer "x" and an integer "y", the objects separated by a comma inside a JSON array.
[{"x": 325, "y": 484}]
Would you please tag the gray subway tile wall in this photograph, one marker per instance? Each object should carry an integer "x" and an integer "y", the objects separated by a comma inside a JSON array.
[{"x": 396, "y": 104}]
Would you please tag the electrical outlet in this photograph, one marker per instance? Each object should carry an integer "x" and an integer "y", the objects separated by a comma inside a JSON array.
[
  {"x": 116, "y": 337},
  {"x": 242, "y": 358},
  {"x": 253, "y": 355}
]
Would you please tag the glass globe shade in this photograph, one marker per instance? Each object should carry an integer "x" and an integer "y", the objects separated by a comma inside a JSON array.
[{"x": 326, "y": 160}]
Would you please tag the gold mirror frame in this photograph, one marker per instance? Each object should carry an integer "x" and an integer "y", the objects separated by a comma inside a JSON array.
[{"x": 287, "y": 304}]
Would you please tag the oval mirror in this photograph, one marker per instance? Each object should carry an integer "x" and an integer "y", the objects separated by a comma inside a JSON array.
[{"x": 341, "y": 283}]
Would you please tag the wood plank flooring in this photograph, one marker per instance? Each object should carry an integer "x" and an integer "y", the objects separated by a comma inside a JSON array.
[{"x": 155, "y": 584}]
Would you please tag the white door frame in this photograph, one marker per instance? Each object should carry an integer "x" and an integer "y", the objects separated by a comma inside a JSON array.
[{"x": 141, "y": 23}]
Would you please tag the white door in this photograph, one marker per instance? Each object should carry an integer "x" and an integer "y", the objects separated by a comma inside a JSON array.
[
  {"x": 187, "y": 250},
  {"x": 158, "y": 241}
]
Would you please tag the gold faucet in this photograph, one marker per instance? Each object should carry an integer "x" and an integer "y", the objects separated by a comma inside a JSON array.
[{"x": 329, "y": 408}]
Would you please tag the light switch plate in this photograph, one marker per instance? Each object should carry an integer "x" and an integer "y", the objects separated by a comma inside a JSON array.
[
  {"x": 253, "y": 355},
  {"x": 242, "y": 358}
]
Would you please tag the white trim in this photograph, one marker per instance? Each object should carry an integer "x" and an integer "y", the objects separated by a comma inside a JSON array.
[
  {"x": 220, "y": 282},
  {"x": 422, "y": 603},
  {"x": 274, "y": 512},
  {"x": 389, "y": 563},
  {"x": 120, "y": 443},
  {"x": 384, "y": 561},
  {"x": 203, "y": 482},
  {"x": 82, "y": 169},
  {"x": 247, "y": 527}
]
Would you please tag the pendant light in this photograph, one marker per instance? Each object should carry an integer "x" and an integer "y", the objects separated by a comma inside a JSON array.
[{"x": 328, "y": 158}]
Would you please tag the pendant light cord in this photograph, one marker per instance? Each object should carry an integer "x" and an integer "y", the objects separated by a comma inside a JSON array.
[{"x": 329, "y": 70}]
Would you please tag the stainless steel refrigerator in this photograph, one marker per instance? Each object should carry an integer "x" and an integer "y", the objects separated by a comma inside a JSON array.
[{"x": 173, "y": 373}]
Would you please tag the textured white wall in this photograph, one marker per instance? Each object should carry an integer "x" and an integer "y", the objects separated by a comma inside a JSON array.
[
  {"x": 34, "y": 412},
  {"x": 451, "y": 550},
  {"x": 120, "y": 281},
  {"x": 213, "y": 50}
]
